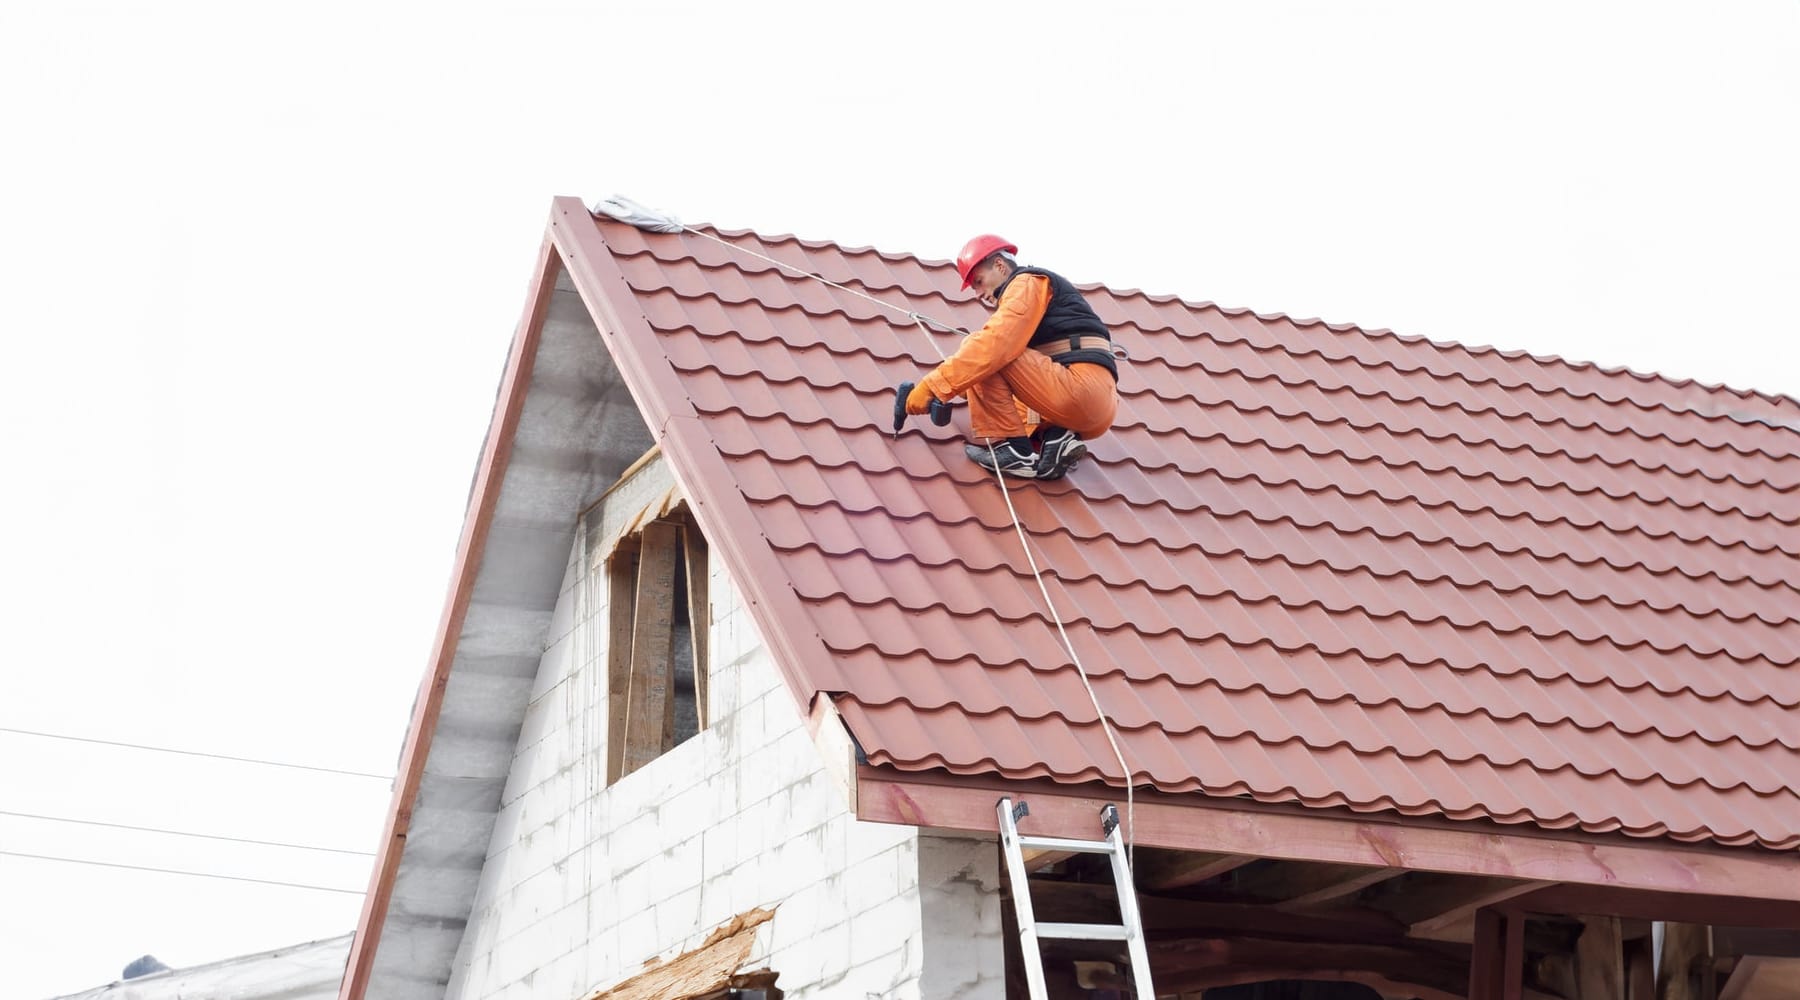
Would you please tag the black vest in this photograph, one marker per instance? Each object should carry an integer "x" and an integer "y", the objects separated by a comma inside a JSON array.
[{"x": 1067, "y": 318}]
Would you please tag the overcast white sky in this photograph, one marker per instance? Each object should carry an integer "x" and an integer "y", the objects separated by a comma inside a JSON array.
[{"x": 258, "y": 274}]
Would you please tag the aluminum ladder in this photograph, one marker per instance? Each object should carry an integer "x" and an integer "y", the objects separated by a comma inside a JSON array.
[{"x": 1130, "y": 929}]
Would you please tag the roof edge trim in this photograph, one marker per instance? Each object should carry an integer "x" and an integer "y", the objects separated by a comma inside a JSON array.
[
  {"x": 484, "y": 496},
  {"x": 700, "y": 470}
]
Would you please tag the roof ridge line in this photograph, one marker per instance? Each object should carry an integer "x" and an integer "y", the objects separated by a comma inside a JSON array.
[{"x": 1445, "y": 347}]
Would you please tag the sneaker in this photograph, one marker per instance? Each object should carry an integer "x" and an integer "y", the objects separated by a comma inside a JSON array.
[
  {"x": 1060, "y": 450},
  {"x": 1013, "y": 462}
]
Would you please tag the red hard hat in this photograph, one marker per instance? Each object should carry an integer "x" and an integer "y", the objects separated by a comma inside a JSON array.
[{"x": 979, "y": 249}]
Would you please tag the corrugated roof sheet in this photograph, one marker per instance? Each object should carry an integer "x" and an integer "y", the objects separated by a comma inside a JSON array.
[{"x": 1311, "y": 564}]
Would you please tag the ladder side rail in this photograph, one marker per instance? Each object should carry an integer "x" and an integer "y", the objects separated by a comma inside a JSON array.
[
  {"x": 1128, "y": 907},
  {"x": 1031, "y": 955}
]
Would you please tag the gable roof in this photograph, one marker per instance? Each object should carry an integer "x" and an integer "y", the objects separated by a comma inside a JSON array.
[
  {"x": 1311, "y": 564},
  {"x": 1334, "y": 571}
]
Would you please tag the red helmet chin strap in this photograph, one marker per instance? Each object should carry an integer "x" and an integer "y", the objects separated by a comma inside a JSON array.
[{"x": 979, "y": 249}]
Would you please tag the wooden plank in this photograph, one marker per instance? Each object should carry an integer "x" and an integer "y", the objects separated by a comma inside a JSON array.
[
  {"x": 1158, "y": 869},
  {"x": 1512, "y": 957},
  {"x": 708, "y": 970},
  {"x": 1037, "y": 860},
  {"x": 1600, "y": 960},
  {"x": 652, "y": 620},
  {"x": 1763, "y": 941},
  {"x": 699, "y": 614},
  {"x": 1762, "y": 977},
  {"x": 1438, "y": 907},
  {"x": 1690, "y": 907},
  {"x": 1189, "y": 964},
  {"x": 1300, "y": 884},
  {"x": 1640, "y": 977},
  {"x": 1170, "y": 916},
  {"x": 1196, "y": 823},
  {"x": 1683, "y": 947},
  {"x": 670, "y": 672},
  {"x": 1489, "y": 950},
  {"x": 621, "y": 573},
  {"x": 1741, "y": 984}
]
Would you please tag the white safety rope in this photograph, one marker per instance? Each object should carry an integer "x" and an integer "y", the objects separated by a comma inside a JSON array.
[{"x": 1106, "y": 725}]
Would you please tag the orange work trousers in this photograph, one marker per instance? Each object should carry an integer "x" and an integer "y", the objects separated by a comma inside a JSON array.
[{"x": 1081, "y": 397}]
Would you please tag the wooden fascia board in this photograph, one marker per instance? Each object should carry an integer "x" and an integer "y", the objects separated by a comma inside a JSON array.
[
  {"x": 1708, "y": 907},
  {"x": 699, "y": 469},
  {"x": 478, "y": 518},
  {"x": 1192, "y": 823}
]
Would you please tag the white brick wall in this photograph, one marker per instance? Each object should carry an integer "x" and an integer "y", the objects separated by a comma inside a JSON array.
[{"x": 584, "y": 883}]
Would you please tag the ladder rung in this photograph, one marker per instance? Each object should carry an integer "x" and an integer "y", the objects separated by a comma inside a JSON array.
[
  {"x": 1084, "y": 932},
  {"x": 1064, "y": 844}
]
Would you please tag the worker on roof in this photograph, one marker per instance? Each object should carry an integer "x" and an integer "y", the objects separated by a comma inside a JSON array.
[{"x": 1044, "y": 350}]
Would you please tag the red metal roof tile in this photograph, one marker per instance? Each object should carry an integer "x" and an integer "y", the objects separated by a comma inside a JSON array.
[{"x": 1311, "y": 564}]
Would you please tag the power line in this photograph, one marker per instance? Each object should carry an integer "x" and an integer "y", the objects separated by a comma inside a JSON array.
[
  {"x": 195, "y": 753},
  {"x": 183, "y": 833},
  {"x": 181, "y": 871}
]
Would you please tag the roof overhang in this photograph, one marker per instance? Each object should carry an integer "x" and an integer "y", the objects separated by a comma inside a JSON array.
[{"x": 1198, "y": 823}]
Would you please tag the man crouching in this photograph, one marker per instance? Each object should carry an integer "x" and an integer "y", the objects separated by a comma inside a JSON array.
[{"x": 1043, "y": 350}]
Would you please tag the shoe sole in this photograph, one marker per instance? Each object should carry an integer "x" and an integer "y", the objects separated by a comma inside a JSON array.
[
  {"x": 981, "y": 457},
  {"x": 1065, "y": 463}
]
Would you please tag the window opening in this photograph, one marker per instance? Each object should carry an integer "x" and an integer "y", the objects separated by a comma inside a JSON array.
[{"x": 656, "y": 671}]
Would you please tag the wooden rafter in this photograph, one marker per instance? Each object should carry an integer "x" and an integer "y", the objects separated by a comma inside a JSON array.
[
  {"x": 1762, "y": 976},
  {"x": 1159, "y": 870},
  {"x": 1442, "y": 907},
  {"x": 1194, "y": 964},
  {"x": 1497, "y": 966},
  {"x": 1038, "y": 860},
  {"x": 1298, "y": 884},
  {"x": 1705, "y": 909},
  {"x": 1167, "y": 916}
]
